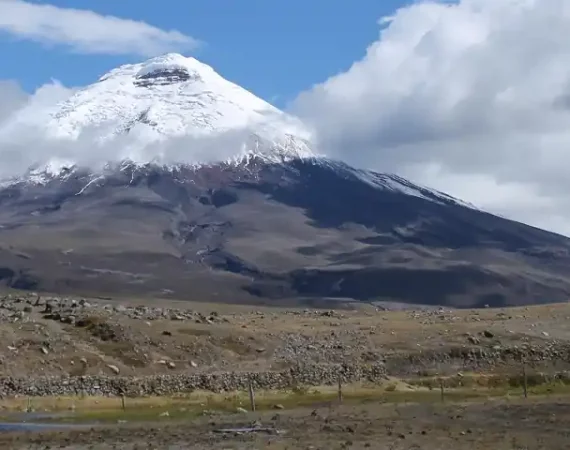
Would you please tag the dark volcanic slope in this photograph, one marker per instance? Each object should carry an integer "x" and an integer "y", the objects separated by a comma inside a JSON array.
[{"x": 268, "y": 232}]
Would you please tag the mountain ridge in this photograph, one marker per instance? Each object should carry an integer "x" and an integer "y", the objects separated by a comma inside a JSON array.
[
  {"x": 269, "y": 233},
  {"x": 257, "y": 215}
]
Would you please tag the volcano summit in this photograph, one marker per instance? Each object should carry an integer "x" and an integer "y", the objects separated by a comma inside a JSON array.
[{"x": 244, "y": 210}]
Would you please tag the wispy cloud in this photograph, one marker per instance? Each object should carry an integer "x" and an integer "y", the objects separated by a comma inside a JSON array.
[{"x": 86, "y": 31}]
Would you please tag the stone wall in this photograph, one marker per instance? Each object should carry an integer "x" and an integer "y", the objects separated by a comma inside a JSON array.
[
  {"x": 186, "y": 383},
  {"x": 550, "y": 356}
]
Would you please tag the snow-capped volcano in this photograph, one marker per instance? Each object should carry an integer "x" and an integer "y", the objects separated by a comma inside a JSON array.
[
  {"x": 163, "y": 178},
  {"x": 172, "y": 96}
]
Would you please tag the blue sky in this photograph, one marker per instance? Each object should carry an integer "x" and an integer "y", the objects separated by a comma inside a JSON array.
[{"x": 274, "y": 48}]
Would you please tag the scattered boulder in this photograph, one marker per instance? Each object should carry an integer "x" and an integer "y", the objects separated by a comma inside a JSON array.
[
  {"x": 113, "y": 368},
  {"x": 473, "y": 340}
]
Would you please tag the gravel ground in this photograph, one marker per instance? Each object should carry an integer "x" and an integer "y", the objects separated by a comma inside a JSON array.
[
  {"x": 530, "y": 425},
  {"x": 50, "y": 335}
]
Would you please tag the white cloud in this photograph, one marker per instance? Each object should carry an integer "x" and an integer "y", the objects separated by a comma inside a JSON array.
[
  {"x": 85, "y": 31},
  {"x": 13, "y": 97},
  {"x": 472, "y": 98},
  {"x": 25, "y": 142}
]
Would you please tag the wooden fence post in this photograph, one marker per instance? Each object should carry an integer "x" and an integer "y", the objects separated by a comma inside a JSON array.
[
  {"x": 525, "y": 381},
  {"x": 123, "y": 402},
  {"x": 442, "y": 389},
  {"x": 251, "y": 394},
  {"x": 339, "y": 387}
]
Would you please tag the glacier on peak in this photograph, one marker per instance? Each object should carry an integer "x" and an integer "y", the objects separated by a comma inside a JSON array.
[
  {"x": 173, "y": 96},
  {"x": 171, "y": 109}
]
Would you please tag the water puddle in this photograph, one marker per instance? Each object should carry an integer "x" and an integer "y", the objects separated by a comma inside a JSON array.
[
  {"x": 37, "y": 426},
  {"x": 33, "y": 422}
]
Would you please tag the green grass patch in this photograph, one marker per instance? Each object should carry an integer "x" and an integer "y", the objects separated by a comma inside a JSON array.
[
  {"x": 155, "y": 409},
  {"x": 107, "y": 409}
]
